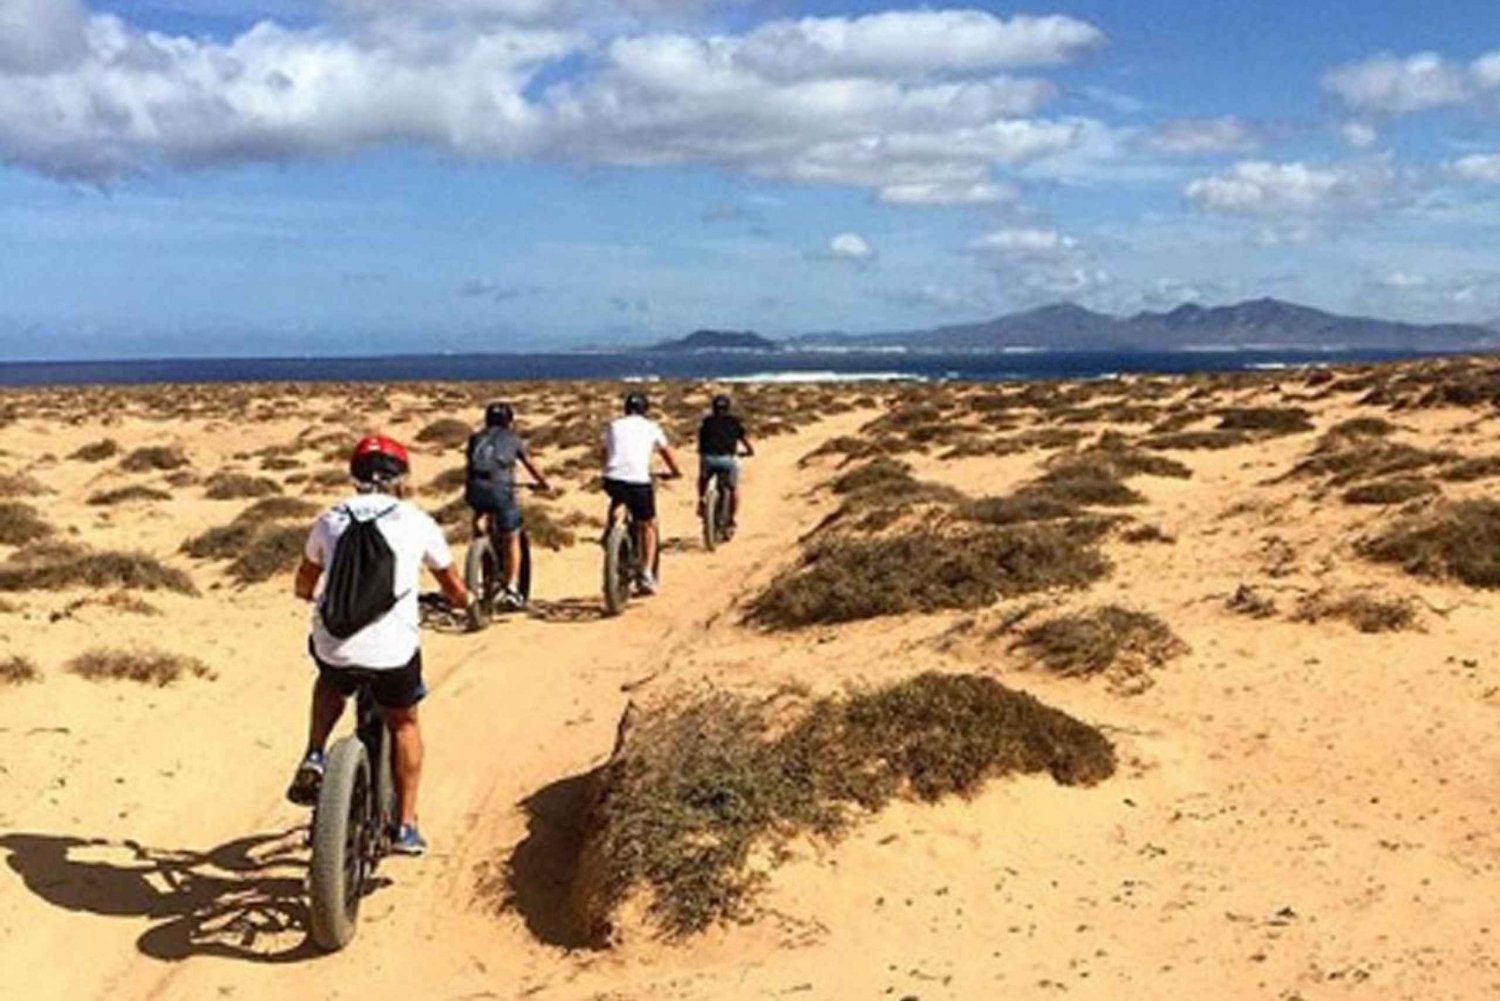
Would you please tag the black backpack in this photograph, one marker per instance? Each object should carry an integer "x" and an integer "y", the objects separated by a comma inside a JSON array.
[{"x": 361, "y": 585}]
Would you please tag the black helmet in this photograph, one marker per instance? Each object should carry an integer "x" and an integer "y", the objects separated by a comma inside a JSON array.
[
  {"x": 499, "y": 415},
  {"x": 636, "y": 403},
  {"x": 721, "y": 404}
]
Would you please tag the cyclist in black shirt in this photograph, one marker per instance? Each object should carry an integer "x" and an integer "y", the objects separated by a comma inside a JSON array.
[{"x": 721, "y": 438}]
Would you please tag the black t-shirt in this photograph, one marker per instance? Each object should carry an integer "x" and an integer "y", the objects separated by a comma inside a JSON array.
[{"x": 720, "y": 434}]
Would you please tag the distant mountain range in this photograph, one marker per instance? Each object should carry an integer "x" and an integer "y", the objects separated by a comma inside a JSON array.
[{"x": 1258, "y": 323}]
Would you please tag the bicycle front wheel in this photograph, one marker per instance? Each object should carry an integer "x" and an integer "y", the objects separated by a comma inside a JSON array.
[
  {"x": 481, "y": 577},
  {"x": 342, "y": 840},
  {"x": 711, "y": 517}
]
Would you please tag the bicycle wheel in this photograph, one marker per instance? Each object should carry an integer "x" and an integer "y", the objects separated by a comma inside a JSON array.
[
  {"x": 711, "y": 516},
  {"x": 481, "y": 577},
  {"x": 341, "y": 846},
  {"x": 619, "y": 567},
  {"x": 525, "y": 577},
  {"x": 723, "y": 520}
]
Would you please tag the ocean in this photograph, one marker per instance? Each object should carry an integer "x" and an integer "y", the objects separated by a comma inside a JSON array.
[{"x": 742, "y": 366}]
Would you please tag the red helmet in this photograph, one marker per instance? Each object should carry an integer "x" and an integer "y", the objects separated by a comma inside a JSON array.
[{"x": 378, "y": 459}]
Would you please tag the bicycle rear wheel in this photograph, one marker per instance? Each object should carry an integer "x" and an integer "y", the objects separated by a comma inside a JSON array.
[
  {"x": 619, "y": 567},
  {"x": 711, "y": 515},
  {"x": 341, "y": 845},
  {"x": 525, "y": 577},
  {"x": 725, "y": 518}
]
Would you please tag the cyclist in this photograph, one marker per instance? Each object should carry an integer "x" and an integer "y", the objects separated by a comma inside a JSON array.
[
  {"x": 384, "y": 653},
  {"x": 721, "y": 437},
  {"x": 630, "y": 443},
  {"x": 490, "y": 489}
]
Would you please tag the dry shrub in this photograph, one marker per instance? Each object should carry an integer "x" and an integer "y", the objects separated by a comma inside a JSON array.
[
  {"x": 277, "y": 509},
  {"x": 155, "y": 457},
  {"x": 329, "y": 478},
  {"x": 1481, "y": 468},
  {"x": 280, "y": 463},
  {"x": 1364, "y": 427},
  {"x": 1018, "y": 509},
  {"x": 447, "y": 482},
  {"x": 849, "y": 579},
  {"x": 1138, "y": 534},
  {"x": 105, "y": 448},
  {"x": 1246, "y": 600},
  {"x": 1089, "y": 642},
  {"x": 147, "y": 667},
  {"x": 546, "y": 530},
  {"x": 21, "y": 523},
  {"x": 1085, "y": 480},
  {"x": 1267, "y": 420},
  {"x": 1456, "y": 540},
  {"x": 239, "y": 486},
  {"x": 20, "y": 485},
  {"x": 18, "y": 670},
  {"x": 694, "y": 789},
  {"x": 1396, "y": 491},
  {"x": 1195, "y": 440},
  {"x": 877, "y": 474},
  {"x": 1343, "y": 459},
  {"x": 1367, "y": 614},
  {"x": 446, "y": 433},
  {"x": 125, "y": 495},
  {"x": 272, "y": 551},
  {"x": 53, "y": 568}
]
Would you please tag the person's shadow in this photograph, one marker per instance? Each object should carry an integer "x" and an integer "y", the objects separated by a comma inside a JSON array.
[{"x": 242, "y": 900}]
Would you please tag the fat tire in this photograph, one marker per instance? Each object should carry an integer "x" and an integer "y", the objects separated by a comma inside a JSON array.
[
  {"x": 711, "y": 516},
  {"x": 479, "y": 588},
  {"x": 525, "y": 578},
  {"x": 616, "y": 559},
  {"x": 333, "y": 918}
]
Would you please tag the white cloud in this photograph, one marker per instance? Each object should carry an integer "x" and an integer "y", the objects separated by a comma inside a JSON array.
[
  {"x": 1396, "y": 85},
  {"x": 1477, "y": 168},
  {"x": 850, "y": 248},
  {"x": 910, "y": 105},
  {"x": 1199, "y": 136},
  {"x": 1402, "y": 281},
  {"x": 1359, "y": 135},
  {"x": 40, "y": 36},
  {"x": 1021, "y": 242},
  {"x": 1262, "y": 188},
  {"x": 949, "y": 193}
]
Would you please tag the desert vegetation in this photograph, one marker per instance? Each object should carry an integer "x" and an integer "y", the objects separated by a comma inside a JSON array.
[
  {"x": 143, "y": 666},
  {"x": 695, "y": 787}
]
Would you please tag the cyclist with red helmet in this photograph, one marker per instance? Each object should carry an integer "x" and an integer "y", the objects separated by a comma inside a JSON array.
[{"x": 381, "y": 647}]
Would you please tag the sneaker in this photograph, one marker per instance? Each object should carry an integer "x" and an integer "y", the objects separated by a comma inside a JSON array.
[
  {"x": 646, "y": 582},
  {"x": 512, "y": 599},
  {"x": 309, "y": 779},
  {"x": 408, "y": 841}
]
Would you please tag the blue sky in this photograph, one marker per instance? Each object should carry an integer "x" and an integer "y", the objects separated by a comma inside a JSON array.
[{"x": 340, "y": 176}]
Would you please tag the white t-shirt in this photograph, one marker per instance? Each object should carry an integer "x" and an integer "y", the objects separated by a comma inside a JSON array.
[
  {"x": 391, "y": 640},
  {"x": 629, "y": 442}
]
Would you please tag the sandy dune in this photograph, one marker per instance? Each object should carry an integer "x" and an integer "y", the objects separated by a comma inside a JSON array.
[{"x": 1302, "y": 810}]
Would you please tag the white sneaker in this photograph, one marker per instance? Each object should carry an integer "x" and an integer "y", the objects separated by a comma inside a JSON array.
[
  {"x": 646, "y": 583},
  {"x": 512, "y": 599}
]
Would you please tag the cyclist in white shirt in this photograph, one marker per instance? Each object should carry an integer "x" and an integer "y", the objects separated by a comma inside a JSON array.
[
  {"x": 385, "y": 652},
  {"x": 630, "y": 443}
]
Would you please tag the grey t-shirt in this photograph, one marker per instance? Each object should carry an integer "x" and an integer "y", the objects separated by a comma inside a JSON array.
[{"x": 492, "y": 459}]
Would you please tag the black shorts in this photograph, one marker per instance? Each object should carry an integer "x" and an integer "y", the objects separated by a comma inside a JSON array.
[
  {"x": 393, "y": 687},
  {"x": 639, "y": 498}
]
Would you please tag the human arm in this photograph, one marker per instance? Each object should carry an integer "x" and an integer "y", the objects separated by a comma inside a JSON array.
[
  {"x": 453, "y": 586},
  {"x": 541, "y": 481},
  {"x": 749, "y": 449},
  {"x": 305, "y": 584},
  {"x": 670, "y": 460}
]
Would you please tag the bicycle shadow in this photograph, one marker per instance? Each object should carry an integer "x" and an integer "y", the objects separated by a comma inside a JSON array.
[
  {"x": 542, "y": 869},
  {"x": 566, "y": 610},
  {"x": 245, "y": 899}
]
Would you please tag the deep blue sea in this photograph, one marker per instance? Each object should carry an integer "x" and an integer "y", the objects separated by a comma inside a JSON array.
[{"x": 640, "y": 365}]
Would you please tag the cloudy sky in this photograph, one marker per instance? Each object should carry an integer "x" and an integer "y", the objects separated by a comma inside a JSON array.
[{"x": 344, "y": 176}]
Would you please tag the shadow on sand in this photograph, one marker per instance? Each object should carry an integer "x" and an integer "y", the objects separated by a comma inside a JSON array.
[
  {"x": 243, "y": 900},
  {"x": 540, "y": 874}
]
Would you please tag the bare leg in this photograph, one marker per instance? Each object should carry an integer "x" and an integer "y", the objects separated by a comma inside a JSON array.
[
  {"x": 512, "y": 544},
  {"x": 406, "y": 759},
  {"x": 648, "y": 545},
  {"x": 734, "y": 505},
  {"x": 327, "y": 707}
]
